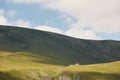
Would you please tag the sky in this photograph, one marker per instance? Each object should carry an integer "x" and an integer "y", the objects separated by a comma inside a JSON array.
[{"x": 84, "y": 19}]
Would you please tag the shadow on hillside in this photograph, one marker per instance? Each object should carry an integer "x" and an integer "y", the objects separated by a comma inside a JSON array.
[
  {"x": 63, "y": 62},
  {"x": 68, "y": 76},
  {"x": 91, "y": 76},
  {"x": 54, "y": 61},
  {"x": 100, "y": 76},
  {"x": 36, "y": 57},
  {"x": 7, "y": 76},
  {"x": 50, "y": 61}
]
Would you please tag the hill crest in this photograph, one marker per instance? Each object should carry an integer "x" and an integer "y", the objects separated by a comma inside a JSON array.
[{"x": 57, "y": 46}]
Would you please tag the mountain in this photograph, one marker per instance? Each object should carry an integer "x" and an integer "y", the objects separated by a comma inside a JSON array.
[
  {"x": 66, "y": 50},
  {"x": 27, "y": 54}
]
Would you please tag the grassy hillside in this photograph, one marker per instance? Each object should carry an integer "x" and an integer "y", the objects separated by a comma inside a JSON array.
[
  {"x": 58, "y": 47},
  {"x": 106, "y": 71},
  {"x": 27, "y": 54},
  {"x": 10, "y": 60},
  {"x": 27, "y": 66}
]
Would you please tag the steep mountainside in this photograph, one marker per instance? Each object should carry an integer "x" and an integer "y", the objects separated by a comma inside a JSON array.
[{"x": 59, "y": 47}]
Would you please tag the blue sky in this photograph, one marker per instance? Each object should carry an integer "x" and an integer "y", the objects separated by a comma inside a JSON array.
[{"x": 86, "y": 19}]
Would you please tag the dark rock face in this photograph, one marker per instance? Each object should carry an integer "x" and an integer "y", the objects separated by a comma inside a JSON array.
[{"x": 66, "y": 49}]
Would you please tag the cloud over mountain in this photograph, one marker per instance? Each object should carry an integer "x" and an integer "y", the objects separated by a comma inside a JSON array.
[{"x": 92, "y": 16}]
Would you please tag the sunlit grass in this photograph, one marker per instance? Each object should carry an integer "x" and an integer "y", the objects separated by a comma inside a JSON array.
[
  {"x": 24, "y": 66},
  {"x": 113, "y": 67}
]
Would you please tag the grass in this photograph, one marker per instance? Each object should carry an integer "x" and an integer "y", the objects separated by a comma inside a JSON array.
[
  {"x": 28, "y": 66},
  {"x": 20, "y": 65},
  {"x": 113, "y": 67},
  {"x": 16, "y": 60}
]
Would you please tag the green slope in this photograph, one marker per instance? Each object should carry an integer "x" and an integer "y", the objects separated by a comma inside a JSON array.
[
  {"x": 59, "y": 47},
  {"x": 105, "y": 71},
  {"x": 27, "y": 66},
  {"x": 14, "y": 60}
]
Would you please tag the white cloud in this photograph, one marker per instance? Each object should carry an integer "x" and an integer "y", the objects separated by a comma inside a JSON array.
[
  {"x": 1, "y": 11},
  {"x": 29, "y": 1},
  {"x": 3, "y": 20},
  {"x": 11, "y": 13},
  {"x": 50, "y": 29},
  {"x": 23, "y": 23},
  {"x": 100, "y": 15},
  {"x": 74, "y": 32},
  {"x": 81, "y": 33},
  {"x": 68, "y": 20}
]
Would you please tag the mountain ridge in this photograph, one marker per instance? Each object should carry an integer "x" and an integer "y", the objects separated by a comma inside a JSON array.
[{"x": 67, "y": 49}]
